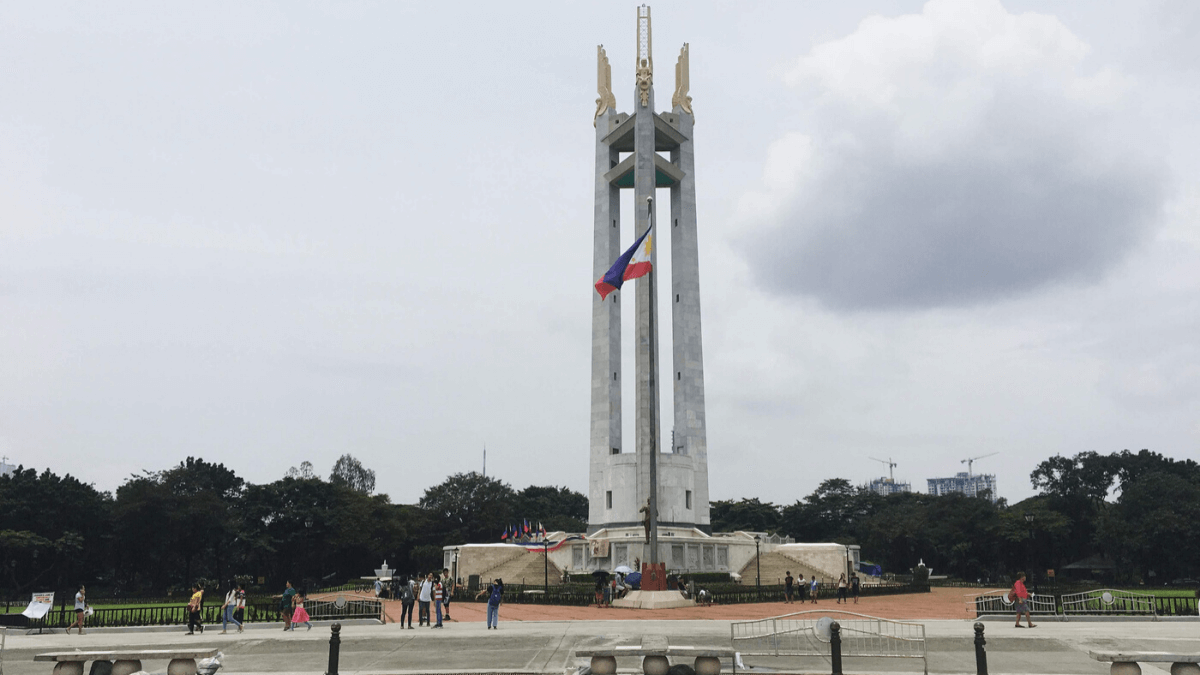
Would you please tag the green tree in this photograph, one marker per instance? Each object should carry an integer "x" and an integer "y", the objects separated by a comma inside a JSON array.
[
  {"x": 471, "y": 506},
  {"x": 176, "y": 524},
  {"x": 556, "y": 508},
  {"x": 830, "y": 513},
  {"x": 351, "y": 473},
  {"x": 59, "y": 529},
  {"x": 746, "y": 514},
  {"x": 1152, "y": 527}
]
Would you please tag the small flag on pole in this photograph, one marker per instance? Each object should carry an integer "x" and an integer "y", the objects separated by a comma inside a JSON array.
[{"x": 632, "y": 264}]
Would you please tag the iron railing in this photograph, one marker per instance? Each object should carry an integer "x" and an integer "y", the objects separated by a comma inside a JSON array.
[
  {"x": 808, "y": 634},
  {"x": 177, "y": 615},
  {"x": 1108, "y": 602},
  {"x": 997, "y": 602}
]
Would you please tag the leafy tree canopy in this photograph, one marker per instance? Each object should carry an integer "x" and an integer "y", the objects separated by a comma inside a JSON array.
[{"x": 350, "y": 472}]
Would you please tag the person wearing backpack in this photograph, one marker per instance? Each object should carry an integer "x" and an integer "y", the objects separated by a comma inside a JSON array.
[
  {"x": 495, "y": 593},
  {"x": 407, "y": 599}
]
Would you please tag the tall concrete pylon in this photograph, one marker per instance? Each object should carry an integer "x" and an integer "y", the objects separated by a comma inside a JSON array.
[{"x": 620, "y": 481}]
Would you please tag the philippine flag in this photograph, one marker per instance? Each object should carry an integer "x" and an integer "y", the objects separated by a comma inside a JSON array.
[{"x": 632, "y": 264}]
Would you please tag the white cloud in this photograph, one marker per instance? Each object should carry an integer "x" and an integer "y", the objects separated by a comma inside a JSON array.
[{"x": 964, "y": 154}]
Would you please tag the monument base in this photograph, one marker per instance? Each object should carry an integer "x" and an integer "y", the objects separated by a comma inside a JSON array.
[{"x": 653, "y": 600}]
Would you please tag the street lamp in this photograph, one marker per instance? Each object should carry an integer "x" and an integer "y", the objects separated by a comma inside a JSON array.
[
  {"x": 454, "y": 569},
  {"x": 757, "y": 567},
  {"x": 1029, "y": 520},
  {"x": 545, "y": 567}
]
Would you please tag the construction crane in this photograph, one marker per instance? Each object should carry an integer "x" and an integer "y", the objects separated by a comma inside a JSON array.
[
  {"x": 971, "y": 460},
  {"x": 891, "y": 465}
]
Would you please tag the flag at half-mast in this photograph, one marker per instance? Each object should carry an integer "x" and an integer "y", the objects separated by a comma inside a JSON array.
[{"x": 632, "y": 264}]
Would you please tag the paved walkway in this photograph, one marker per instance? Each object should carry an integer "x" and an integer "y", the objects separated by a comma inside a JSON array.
[
  {"x": 940, "y": 603},
  {"x": 525, "y": 645}
]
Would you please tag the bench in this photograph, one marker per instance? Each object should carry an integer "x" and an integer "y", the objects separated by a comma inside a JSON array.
[
  {"x": 183, "y": 662},
  {"x": 654, "y": 651},
  {"x": 1126, "y": 663}
]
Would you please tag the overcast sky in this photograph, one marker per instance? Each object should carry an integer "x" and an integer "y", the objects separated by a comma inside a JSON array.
[{"x": 263, "y": 233}]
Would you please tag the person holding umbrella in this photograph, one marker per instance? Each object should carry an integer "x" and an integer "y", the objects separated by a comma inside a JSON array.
[{"x": 601, "y": 586}]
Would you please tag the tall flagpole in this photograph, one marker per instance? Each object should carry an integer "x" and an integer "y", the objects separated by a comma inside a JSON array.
[{"x": 653, "y": 400}]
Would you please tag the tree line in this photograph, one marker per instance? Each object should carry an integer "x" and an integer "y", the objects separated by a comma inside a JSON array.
[
  {"x": 1136, "y": 510},
  {"x": 161, "y": 531}
]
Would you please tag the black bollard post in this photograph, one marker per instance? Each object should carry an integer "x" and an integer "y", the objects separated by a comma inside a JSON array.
[
  {"x": 835, "y": 647},
  {"x": 980, "y": 653},
  {"x": 335, "y": 646}
]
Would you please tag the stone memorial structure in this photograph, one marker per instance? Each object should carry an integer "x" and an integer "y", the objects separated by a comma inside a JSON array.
[{"x": 645, "y": 151}]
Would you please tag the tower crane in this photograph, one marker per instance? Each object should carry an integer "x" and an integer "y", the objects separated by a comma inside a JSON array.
[
  {"x": 891, "y": 465},
  {"x": 971, "y": 460}
]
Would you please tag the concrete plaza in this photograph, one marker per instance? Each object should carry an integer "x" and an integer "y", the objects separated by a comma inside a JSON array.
[{"x": 549, "y": 646}]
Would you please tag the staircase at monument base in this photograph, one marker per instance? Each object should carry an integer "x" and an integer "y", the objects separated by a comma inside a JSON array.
[
  {"x": 523, "y": 567},
  {"x": 775, "y": 567}
]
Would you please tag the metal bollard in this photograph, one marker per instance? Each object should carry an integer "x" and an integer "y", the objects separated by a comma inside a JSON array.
[
  {"x": 980, "y": 653},
  {"x": 835, "y": 647},
  {"x": 335, "y": 646}
]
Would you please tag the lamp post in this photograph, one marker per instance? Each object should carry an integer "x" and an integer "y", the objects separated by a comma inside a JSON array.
[
  {"x": 1029, "y": 521},
  {"x": 454, "y": 569},
  {"x": 545, "y": 567},
  {"x": 757, "y": 567}
]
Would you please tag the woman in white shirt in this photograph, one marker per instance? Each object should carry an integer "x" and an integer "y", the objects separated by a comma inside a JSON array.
[
  {"x": 228, "y": 608},
  {"x": 80, "y": 610}
]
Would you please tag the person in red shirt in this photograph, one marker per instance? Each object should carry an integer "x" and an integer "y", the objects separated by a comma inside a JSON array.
[{"x": 1020, "y": 596}]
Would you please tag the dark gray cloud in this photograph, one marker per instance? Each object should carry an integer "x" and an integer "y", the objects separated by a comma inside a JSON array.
[{"x": 947, "y": 171}]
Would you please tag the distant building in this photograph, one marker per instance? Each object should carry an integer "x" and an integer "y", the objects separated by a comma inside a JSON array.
[
  {"x": 974, "y": 486},
  {"x": 6, "y": 469},
  {"x": 887, "y": 486}
]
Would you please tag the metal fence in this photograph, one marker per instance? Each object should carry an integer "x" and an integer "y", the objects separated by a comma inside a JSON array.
[
  {"x": 177, "y": 615},
  {"x": 808, "y": 634},
  {"x": 341, "y": 608},
  {"x": 997, "y": 602},
  {"x": 1109, "y": 602}
]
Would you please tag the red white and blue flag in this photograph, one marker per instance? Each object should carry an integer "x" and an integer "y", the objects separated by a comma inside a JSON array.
[{"x": 632, "y": 264}]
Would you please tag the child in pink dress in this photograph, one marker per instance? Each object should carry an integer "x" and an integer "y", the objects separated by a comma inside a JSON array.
[{"x": 299, "y": 615}]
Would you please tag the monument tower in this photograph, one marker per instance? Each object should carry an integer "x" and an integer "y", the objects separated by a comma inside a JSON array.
[{"x": 619, "y": 485}]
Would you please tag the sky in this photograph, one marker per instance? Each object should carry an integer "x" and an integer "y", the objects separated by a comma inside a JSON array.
[{"x": 267, "y": 233}]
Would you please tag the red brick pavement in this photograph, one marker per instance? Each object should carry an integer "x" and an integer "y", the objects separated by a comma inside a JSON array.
[{"x": 940, "y": 603}]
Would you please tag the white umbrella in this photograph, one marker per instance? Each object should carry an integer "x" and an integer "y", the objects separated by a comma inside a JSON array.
[{"x": 624, "y": 569}]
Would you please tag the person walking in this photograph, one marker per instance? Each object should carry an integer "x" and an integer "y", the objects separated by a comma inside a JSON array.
[
  {"x": 408, "y": 598},
  {"x": 228, "y": 608},
  {"x": 299, "y": 614},
  {"x": 854, "y": 587},
  {"x": 81, "y": 608},
  {"x": 378, "y": 588},
  {"x": 812, "y": 591},
  {"x": 438, "y": 592},
  {"x": 285, "y": 606},
  {"x": 423, "y": 600},
  {"x": 239, "y": 611},
  {"x": 802, "y": 589},
  {"x": 495, "y": 593},
  {"x": 447, "y": 591},
  {"x": 843, "y": 586},
  {"x": 788, "y": 581},
  {"x": 1019, "y": 595},
  {"x": 194, "y": 606}
]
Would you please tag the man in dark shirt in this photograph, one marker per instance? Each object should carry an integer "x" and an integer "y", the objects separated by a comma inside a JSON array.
[{"x": 787, "y": 588}]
